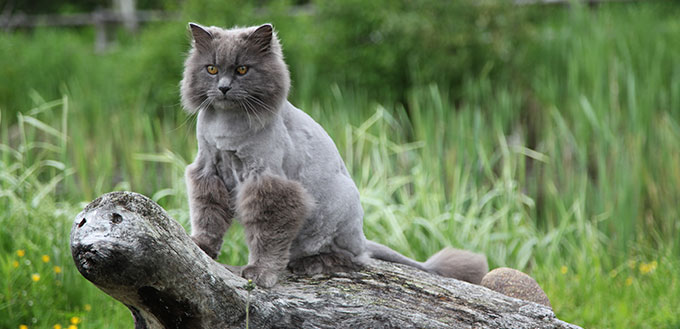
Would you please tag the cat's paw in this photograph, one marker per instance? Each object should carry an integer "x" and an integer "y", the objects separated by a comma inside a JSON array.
[
  {"x": 262, "y": 276},
  {"x": 306, "y": 266},
  {"x": 209, "y": 248}
]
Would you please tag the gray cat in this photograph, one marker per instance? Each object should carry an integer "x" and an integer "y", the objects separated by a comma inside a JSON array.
[{"x": 273, "y": 168}]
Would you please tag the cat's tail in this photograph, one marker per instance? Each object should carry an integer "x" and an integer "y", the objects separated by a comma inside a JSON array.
[{"x": 449, "y": 262}]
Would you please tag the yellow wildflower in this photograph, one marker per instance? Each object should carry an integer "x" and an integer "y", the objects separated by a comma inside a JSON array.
[
  {"x": 629, "y": 281},
  {"x": 57, "y": 269},
  {"x": 35, "y": 277},
  {"x": 45, "y": 259},
  {"x": 15, "y": 264},
  {"x": 73, "y": 326},
  {"x": 23, "y": 326},
  {"x": 644, "y": 268},
  {"x": 56, "y": 326},
  {"x": 75, "y": 320},
  {"x": 563, "y": 269},
  {"x": 88, "y": 307},
  {"x": 648, "y": 267},
  {"x": 21, "y": 253}
]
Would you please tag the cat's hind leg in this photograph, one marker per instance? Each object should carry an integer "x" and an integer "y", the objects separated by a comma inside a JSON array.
[
  {"x": 326, "y": 263},
  {"x": 272, "y": 209}
]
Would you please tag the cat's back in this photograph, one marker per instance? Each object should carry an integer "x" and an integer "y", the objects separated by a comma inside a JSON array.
[{"x": 311, "y": 142}]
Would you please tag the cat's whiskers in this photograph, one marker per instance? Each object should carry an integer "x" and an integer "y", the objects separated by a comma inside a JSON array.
[
  {"x": 245, "y": 109},
  {"x": 206, "y": 102},
  {"x": 260, "y": 103},
  {"x": 239, "y": 96},
  {"x": 251, "y": 107},
  {"x": 209, "y": 103},
  {"x": 257, "y": 113}
]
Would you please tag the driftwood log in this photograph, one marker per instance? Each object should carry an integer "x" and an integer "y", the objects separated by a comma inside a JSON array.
[{"x": 131, "y": 249}]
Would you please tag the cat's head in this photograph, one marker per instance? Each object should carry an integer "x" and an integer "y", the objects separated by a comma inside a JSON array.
[{"x": 238, "y": 69}]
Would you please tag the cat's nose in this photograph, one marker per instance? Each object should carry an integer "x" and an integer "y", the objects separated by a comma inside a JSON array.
[{"x": 224, "y": 89}]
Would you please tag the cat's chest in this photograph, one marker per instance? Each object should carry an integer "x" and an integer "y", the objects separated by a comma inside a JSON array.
[
  {"x": 238, "y": 153},
  {"x": 235, "y": 159},
  {"x": 217, "y": 134},
  {"x": 221, "y": 143}
]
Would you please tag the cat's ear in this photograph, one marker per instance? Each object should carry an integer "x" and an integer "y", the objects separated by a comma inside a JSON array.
[
  {"x": 261, "y": 38},
  {"x": 202, "y": 37}
]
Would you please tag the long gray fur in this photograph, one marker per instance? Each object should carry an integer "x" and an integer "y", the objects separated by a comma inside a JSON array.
[{"x": 276, "y": 169}]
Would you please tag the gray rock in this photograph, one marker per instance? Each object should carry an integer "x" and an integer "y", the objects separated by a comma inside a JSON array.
[{"x": 514, "y": 283}]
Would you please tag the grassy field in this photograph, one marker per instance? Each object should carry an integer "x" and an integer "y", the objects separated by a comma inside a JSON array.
[{"x": 564, "y": 163}]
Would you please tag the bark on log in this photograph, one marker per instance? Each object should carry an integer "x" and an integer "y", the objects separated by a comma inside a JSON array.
[{"x": 131, "y": 249}]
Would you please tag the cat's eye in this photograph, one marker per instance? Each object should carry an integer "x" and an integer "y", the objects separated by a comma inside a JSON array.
[
  {"x": 211, "y": 69},
  {"x": 241, "y": 70}
]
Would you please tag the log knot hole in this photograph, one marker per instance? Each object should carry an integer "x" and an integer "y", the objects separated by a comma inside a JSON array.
[{"x": 116, "y": 218}]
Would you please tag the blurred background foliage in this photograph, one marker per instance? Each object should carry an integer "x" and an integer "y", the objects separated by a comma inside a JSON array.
[
  {"x": 382, "y": 48},
  {"x": 545, "y": 136}
]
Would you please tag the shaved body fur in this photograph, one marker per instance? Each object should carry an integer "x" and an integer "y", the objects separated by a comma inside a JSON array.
[{"x": 268, "y": 164}]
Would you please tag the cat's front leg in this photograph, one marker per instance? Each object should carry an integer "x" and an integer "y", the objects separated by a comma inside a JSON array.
[
  {"x": 210, "y": 207},
  {"x": 272, "y": 209}
]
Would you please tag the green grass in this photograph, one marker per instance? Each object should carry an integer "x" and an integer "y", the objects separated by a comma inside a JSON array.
[{"x": 563, "y": 163}]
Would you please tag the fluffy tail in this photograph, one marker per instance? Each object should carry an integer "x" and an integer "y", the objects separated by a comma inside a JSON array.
[{"x": 449, "y": 262}]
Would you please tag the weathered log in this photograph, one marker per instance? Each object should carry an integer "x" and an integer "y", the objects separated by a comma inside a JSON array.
[{"x": 131, "y": 249}]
